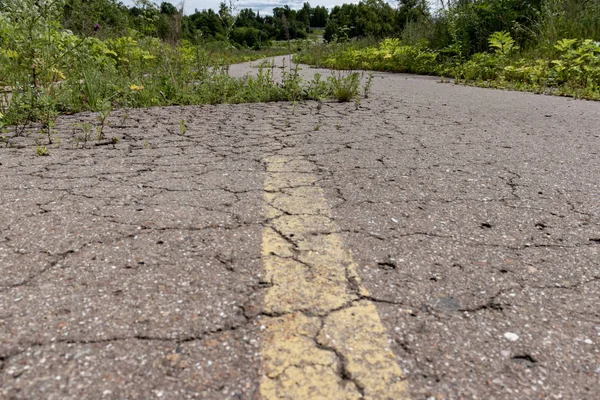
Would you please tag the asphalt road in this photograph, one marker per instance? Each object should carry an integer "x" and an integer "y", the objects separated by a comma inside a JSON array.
[{"x": 435, "y": 242}]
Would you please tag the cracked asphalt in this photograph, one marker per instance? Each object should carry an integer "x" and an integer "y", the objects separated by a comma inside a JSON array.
[{"x": 434, "y": 242}]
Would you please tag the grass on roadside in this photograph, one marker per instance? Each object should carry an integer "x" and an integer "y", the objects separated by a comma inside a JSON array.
[
  {"x": 51, "y": 71},
  {"x": 571, "y": 68}
]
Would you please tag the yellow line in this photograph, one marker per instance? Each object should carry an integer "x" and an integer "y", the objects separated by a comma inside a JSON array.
[{"x": 325, "y": 340}]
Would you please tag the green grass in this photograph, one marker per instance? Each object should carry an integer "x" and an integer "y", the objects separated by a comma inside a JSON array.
[
  {"x": 51, "y": 71},
  {"x": 571, "y": 69},
  {"x": 222, "y": 53}
]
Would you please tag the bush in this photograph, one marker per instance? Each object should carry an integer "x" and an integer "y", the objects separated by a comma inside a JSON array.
[
  {"x": 248, "y": 37},
  {"x": 51, "y": 70},
  {"x": 573, "y": 67}
]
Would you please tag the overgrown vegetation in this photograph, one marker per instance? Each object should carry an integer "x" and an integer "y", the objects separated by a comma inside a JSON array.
[
  {"x": 226, "y": 26},
  {"x": 66, "y": 56},
  {"x": 48, "y": 70},
  {"x": 547, "y": 46}
]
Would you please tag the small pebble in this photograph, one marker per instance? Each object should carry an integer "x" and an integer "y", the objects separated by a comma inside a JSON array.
[{"x": 513, "y": 337}]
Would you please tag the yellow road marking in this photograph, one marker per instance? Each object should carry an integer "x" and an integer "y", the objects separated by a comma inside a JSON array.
[{"x": 325, "y": 340}]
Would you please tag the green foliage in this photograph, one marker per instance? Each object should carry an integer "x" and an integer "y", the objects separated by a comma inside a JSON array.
[
  {"x": 411, "y": 11},
  {"x": 374, "y": 18},
  {"x": 390, "y": 55},
  {"x": 470, "y": 23},
  {"x": 145, "y": 15},
  {"x": 578, "y": 64},
  {"x": 502, "y": 43},
  {"x": 81, "y": 17},
  {"x": 247, "y": 28},
  {"x": 566, "y": 19},
  {"x": 318, "y": 89},
  {"x": 572, "y": 69},
  {"x": 368, "y": 85},
  {"x": 243, "y": 28},
  {"x": 51, "y": 71},
  {"x": 34, "y": 54},
  {"x": 481, "y": 67},
  {"x": 345, "y": 87},
  {"x": 41, "y": 151},
  {"x": 102, "y": 117},
  {"x": 319, "y": 16},
  {"x": 248, "y": 37}
]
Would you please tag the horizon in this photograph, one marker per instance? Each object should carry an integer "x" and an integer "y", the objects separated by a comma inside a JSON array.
[{"x": 262, "y": 6}]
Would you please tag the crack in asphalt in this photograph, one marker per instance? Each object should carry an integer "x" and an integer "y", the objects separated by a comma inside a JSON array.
[{"x": 380, "y": 156}]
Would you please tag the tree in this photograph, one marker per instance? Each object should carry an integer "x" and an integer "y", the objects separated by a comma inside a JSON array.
[
  {"x": 411, "y": 11},
  {"x": 474, "y": 21},
  {"x": 145, "y": 15},
  {"x": 205, "y": 24},
  {"x": 167, "y": 8},
  {"x": 287, "y": 25},
  {"x": 81, "y": 16},
  {"x": 226, "y": 14},
  {"x": 319, "y": 17},
  {"x": 374, "y": 18},
  {"x": 303, "y": 15},
  {"x": 169, "y": 23}
]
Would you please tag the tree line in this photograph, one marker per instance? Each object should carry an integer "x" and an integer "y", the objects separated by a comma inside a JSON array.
[
  {"x": 243, "y": 27},
  {"x": 462, "y": 26}
]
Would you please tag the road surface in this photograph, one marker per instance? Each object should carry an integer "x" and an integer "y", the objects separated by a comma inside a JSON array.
[{"x": 435, "y": 242}]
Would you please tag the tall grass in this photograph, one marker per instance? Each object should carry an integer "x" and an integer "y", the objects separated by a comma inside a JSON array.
[
  {"x": 572, "y": 19},
  {"x": 50, "y": 70}
]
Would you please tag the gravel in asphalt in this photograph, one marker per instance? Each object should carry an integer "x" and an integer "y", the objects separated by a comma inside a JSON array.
[{"x": 136, "y": 270}]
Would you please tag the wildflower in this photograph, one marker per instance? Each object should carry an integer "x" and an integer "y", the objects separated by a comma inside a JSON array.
[
  {"x": 97, "y": 27},
  {"x": 136, "y": 88},
  {"x": 58, "y": 75}
]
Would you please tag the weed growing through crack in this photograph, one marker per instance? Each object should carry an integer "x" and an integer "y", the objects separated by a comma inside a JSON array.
[
  {"x": 319, "y": 106},
  {"x": 46, "y": 70},
  {"x": 102, "y": 117},
  {"x": 318, "y": 88},
  {"x": 292, "y": 84},
  {"x": 562, "y": 66},
  {"x": 50, "y": 70},
  {"x": 86, "y": 134},
  {"x": 267, "y": 63},
  {"x": 41, "y": 151},
  {"x": 345, "y": 86},
  {"x": 48, "y": 119},
  {"x": 368, "y": 85}
]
